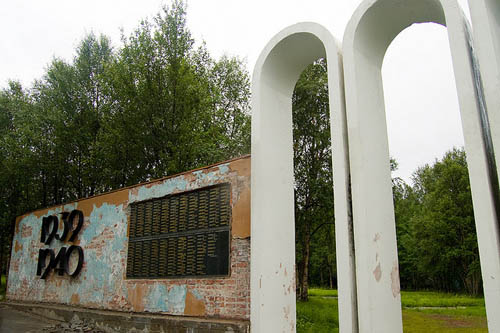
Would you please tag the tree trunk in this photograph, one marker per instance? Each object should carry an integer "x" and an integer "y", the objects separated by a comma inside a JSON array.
[
  {"x": 2, "y": 248},
  {"x": 298, "y": 274},
  {"x": 9, "y": 247},
  {"x": 304, "y": 296},
  {"x": 321, "y": 277},
  {"x": 331, "y": 277}
]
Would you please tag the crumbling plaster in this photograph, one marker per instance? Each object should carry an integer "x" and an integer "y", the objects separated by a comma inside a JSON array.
[{"x": 102, "y": 283}]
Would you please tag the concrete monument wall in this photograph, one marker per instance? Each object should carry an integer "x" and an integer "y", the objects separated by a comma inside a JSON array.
[{"x": 102, "y": 282}]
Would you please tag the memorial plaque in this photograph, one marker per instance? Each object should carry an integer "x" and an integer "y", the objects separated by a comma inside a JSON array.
[{"x": 181, "y": 235}]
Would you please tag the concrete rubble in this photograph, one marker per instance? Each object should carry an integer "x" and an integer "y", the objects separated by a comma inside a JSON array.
[{"x": 76, "y": 326}]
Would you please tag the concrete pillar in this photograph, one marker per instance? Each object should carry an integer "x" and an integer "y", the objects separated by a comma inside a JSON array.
[
  {"x": 370, "y": 31},
  {"x": 273, "y": 233},
  {"x": 485, "y": 15}
]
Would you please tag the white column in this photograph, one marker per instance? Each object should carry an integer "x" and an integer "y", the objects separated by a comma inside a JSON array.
[
  {"x": 272, "y": 230},
  {"x": 485, "y": 16}
]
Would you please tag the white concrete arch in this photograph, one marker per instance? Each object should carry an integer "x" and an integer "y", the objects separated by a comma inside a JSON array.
[
  {"x": 485, "y": 15},
  {"x": 372, "y": 28},
  {"x": 272, "y": 208}
]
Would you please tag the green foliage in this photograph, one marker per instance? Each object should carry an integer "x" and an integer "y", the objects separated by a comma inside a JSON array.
[
  {"x": 317, "y": 315},
  {"x": 70, "y": 105},
  {"x": 436, "y": 231},
  {"x": 323, "y": 292},
  {"x": 313, "y": 179},
  {"x": 2, "y": 287},
  {"x": 153, "y": 107},
  {"x": 177, "y": 108},
  {"x": 415, "y": 299}
]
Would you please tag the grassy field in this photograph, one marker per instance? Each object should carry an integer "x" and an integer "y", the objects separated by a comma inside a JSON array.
[{"x": 422, "y": 312}]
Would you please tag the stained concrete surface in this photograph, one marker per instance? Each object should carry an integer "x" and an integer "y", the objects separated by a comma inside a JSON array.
[
  {"x": 104, "y": 239},
  {"x": 13, "y": 321},
  {"x": 70, "y": 319}
]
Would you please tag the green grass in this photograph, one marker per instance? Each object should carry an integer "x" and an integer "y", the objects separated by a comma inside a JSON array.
[
  {"x": 418, "y": 321},
  {"x": 413, "y": 299},
  {"x": 317, "y": 315},
  {"x": 422, "y": 312},
  {"x": 2, "y": 288},
  {"x": 323, "y": 292}
]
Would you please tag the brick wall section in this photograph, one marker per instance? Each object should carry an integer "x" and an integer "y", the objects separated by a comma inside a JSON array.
[
  {"x": 102, "y": 283},
  {"x": 233, "y": 300}
]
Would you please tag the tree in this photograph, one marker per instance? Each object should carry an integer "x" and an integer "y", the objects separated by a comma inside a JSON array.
[
  {"x": 16, "y": 161},
  {"x": 436, "y": 228},
  {"x": 312, "y": 163},
  {"x": 323, "y": 268},
  {"x": 230, "y": 91},
  {"x": 73, "y": 103},
  {"x": 175, "y": 108},
  {"x": 406, "y": 205},
  {"x": 110, "y": 118}
]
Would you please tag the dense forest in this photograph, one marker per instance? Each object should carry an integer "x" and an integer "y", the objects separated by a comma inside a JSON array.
[
  {"x": 158, "y": 105},
  {"x": 435, "y": 226}
]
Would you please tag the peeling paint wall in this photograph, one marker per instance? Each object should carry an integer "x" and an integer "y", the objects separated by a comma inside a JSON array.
[{"x": 102, "y": 282}]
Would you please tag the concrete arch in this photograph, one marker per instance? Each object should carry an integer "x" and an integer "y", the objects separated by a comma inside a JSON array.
[
  {"x": 272, "y": 208},
  {"x": 485, "y": 15},
  {"x": 372, "y": 28}
]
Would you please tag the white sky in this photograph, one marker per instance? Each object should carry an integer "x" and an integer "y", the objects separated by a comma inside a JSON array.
[{"x": 421, "y": 102}]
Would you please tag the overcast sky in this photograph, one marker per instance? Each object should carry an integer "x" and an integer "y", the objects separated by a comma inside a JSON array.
[{"x": 421, "y": 101}]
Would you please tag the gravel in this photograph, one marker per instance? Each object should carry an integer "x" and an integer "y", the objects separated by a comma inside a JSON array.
[{"x": 73, "y": 327}]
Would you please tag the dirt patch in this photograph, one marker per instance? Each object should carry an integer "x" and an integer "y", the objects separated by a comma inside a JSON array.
[
  {"x": 454, "y": 322},
  {"x": 434, "y": 307}
]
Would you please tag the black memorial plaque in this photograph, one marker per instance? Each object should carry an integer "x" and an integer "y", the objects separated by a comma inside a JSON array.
[{"x": 181, "y": 235}]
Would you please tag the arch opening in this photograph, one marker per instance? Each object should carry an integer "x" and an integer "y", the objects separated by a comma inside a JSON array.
[
  {"x": 313, "y": 183},
  {"x": 421, "y": 102},
  {"x": 436, "y": 236}
]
